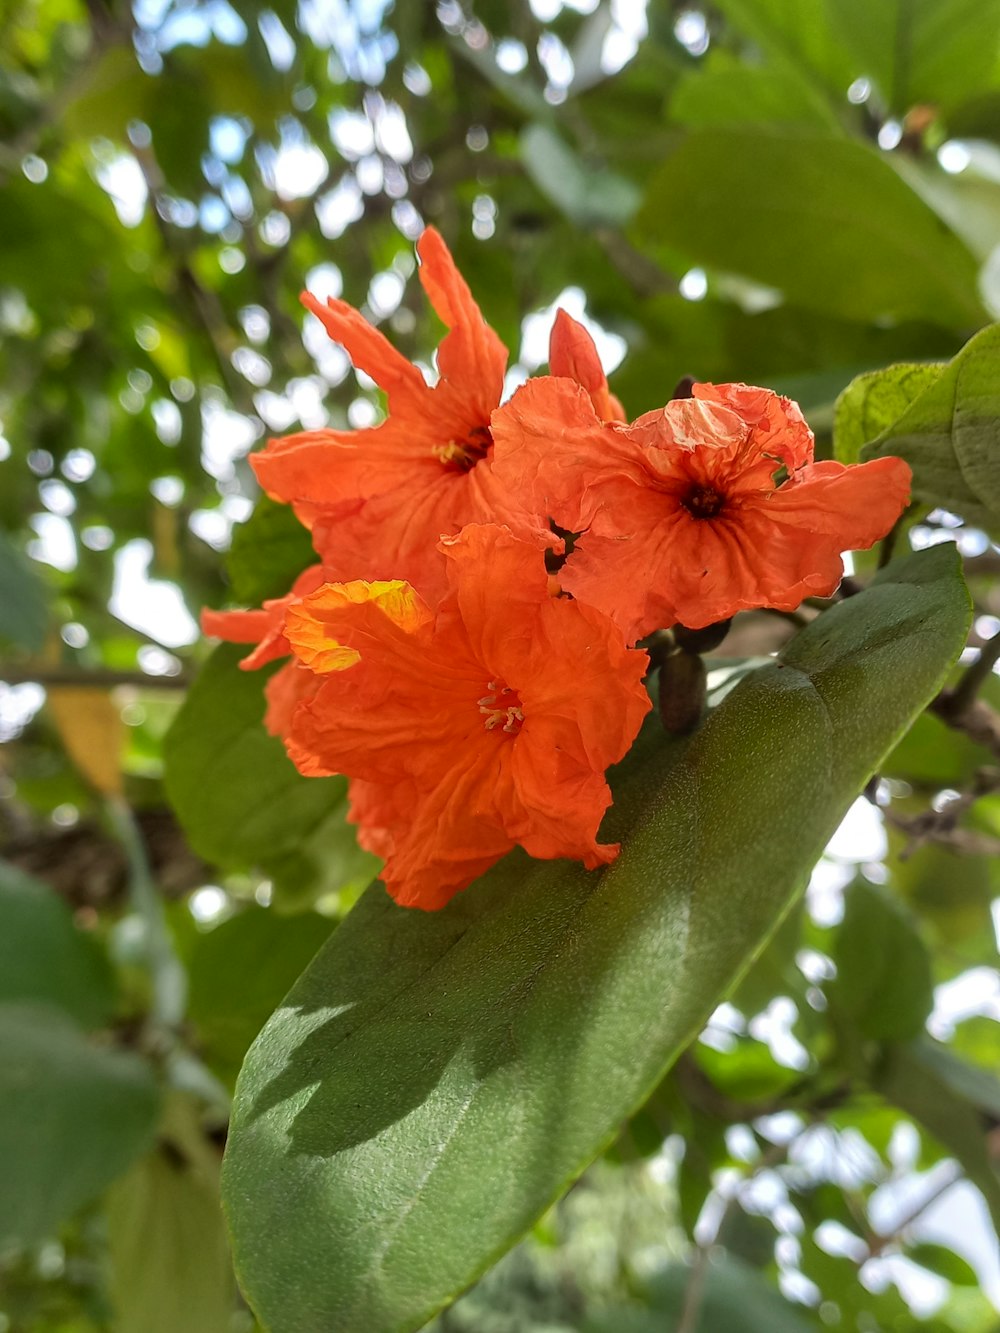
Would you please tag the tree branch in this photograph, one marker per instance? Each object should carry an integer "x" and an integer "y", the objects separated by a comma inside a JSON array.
[{"x": 99, "y": 677}]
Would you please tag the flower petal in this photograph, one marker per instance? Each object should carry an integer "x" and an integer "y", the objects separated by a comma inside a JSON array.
[
  {"x": 471, "y": 355},
  {"x": 369, "y": 350},
  {"x": 573, "y": 355}
]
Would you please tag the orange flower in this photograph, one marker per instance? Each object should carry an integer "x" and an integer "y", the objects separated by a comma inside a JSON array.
[
  {"x": 265, "y": 628},
  {"x": 684, "y": 515},
  {"x": 572, "y": 355},
  {"x": 484, "y": 724},
  {"x": 378, "y": 500}
]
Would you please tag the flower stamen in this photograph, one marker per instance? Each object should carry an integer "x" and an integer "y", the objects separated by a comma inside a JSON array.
[
  {"x": 463, "y": 455},
  {"x": 502, "y": 708}
]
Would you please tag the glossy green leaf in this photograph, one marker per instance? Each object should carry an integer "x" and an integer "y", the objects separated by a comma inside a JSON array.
[
  {"x": 435, "y": 1080},
  {"x": 241, "y": 800},
  {"x": 825, "y": 220},
  {"x": 883, "y": 986},
  {"x": 588, "y": 195},
  {"x": 950, "y": 434},
  {"x": 45, "y": 957},
  {"x": 24, "y": 612},
  {"x": 73, "y": 1115}
]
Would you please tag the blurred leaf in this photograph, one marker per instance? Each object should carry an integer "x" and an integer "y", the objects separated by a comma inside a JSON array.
[
  {"x": 589, "y": 196},
  {"x": 946, "y": 1263},
  {"x": 874, "y": 401},
  {"x": 24, "y": 613},
  {"x": 239, "y": 797},
  {"x": 824, "y": 220},
  {"x": 936, "y": 755},
  {"x": 91, "y": 727},
  {"x": 956, "y": 1102},
  {"x": 932, "y": 51},
  {"x": 950, "y": 434},
  {"x": 736, "y": 1299},
  {"x": 238, "y": 974},
  {"x": 799, "y": 36},
  {"x": 883, "y": 985},
  {"x": 951, "y": 891},
  {"x": 72, "y": 1118},
  {"x": 169, "y": 1254},
  {"x": 428, "y": 1060},
  {"x": 44, "y": 957},
  {"x": 725, "y": 90},
  {"x": 269, "y": 551}
]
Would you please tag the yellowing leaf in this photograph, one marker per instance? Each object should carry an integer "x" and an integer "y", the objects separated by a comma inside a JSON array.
[{"x": 91, "y": 728}]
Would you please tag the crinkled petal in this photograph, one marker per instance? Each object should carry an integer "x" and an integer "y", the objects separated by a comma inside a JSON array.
[
  {"x": 779, "y": 428},
  {"x": 552, "y": 452}
]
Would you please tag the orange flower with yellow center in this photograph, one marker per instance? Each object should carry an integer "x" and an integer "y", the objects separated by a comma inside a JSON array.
[
  {"x": 483, "y": 724},
  {"x": 708, "y": 506}
]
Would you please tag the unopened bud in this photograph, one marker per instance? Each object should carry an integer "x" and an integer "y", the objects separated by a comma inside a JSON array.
[
  {"x": 701, "y": 640},
  {"x": 682, "y": 692}
]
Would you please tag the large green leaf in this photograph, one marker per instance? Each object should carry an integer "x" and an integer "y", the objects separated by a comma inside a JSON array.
[
  {"x": 72, "y": 1117},
  {"x": 434, "y": 1080},
  {"x": 239, "y": 797},
  {"x": 950, "y": 433},
  {"x": 825, "y": 220},
  {"x": 939, "y": 52},
  {"x": 45, "y": 957}
]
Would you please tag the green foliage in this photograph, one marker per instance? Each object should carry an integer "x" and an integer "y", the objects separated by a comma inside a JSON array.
[
  {"x": 737, "y": 1299},
  {"x": 24, "y": 614},
  {"x": 44, "y": 957},
  {"x": 269, "y": 552},
  {"x": 826, "y": 221},
  {"x": 239, "y": 973},
  {"x": 948, "y": 433},
  {"x": 164, "y": 1222},
  {"x": 883, "y": 985},
  {"x": 151, "y": 257},
  {"x": 72, "y": 1117},
  {"x": 549, "y": 997},
  {"x": 243, "y": 803}
]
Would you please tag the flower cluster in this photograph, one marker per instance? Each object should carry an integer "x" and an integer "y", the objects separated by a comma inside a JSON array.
[{"x": 474, "y": 698}]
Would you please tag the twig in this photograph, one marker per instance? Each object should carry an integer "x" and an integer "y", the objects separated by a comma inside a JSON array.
[
  {"x": 695, "y": 1289},
  {"x": 976, "y": 676},
  {"x": 167, "y": 976},
  {"x": 877, "y": 1242},
  {"x": 941, "y": 826},
  {"x": 99, "y": 677}
]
